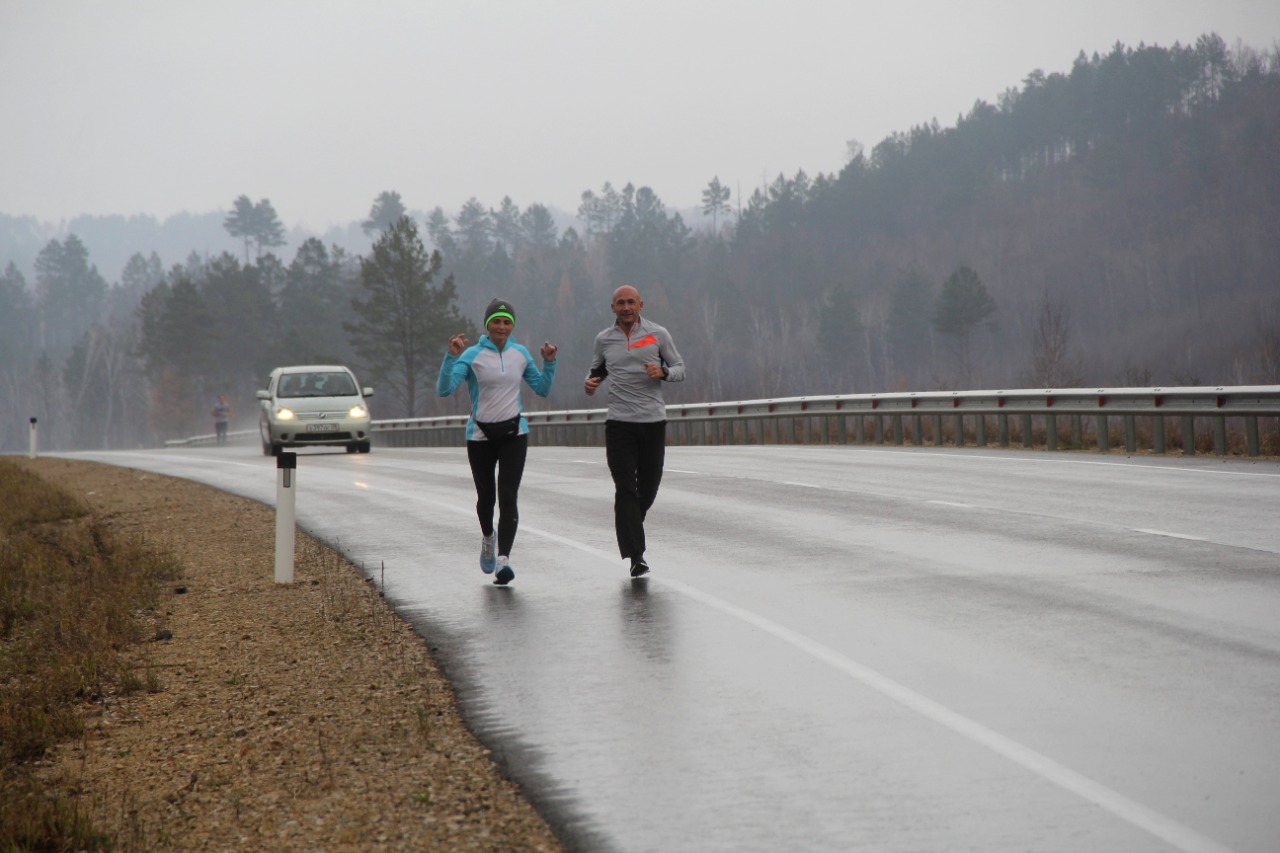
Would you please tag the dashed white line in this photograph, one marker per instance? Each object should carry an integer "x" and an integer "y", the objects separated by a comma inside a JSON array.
[
  {"x": 953, "y": 504},
  {"x": 1168, "y": 534}
]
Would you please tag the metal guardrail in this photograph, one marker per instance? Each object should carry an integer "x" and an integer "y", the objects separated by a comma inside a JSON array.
[{"x": 1056, "y": 418}]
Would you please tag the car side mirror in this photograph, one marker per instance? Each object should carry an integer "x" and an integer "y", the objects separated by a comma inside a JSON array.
[
  {"x": 263, "y": 395},
  {"x": 368, "y": 392}
]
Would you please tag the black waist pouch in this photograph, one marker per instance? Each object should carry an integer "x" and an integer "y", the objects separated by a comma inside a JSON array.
[{"x": 498, "y": 430}]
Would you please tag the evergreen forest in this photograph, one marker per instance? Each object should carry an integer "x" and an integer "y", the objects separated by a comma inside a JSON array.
[{"x": 1117, "y": 224}]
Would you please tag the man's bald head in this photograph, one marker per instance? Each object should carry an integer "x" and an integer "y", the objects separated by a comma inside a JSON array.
[{"x": 626, "y": 306}]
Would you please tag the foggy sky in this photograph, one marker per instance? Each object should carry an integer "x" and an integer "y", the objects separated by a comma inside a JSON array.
[{"x": 132, "y": 107}]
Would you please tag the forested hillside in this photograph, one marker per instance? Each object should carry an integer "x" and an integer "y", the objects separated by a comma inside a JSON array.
[{"x": 1114, "y": 224}]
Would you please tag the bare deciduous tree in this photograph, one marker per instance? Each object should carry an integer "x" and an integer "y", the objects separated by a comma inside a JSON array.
[{"x": 1053, "y": 331}]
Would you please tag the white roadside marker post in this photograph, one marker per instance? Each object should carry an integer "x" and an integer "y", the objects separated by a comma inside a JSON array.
[
  {"x": 31, "y": 451},
  {"x": 286, "y": 500}
]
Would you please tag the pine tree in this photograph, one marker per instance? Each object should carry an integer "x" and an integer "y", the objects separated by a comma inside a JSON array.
[
  {"x": 963, "y": 304},
  {"x": 403, "y": 320}
]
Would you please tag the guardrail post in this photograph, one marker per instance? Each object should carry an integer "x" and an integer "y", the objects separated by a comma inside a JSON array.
[
  {"x": 1130, "y": 434},
  {"x": 878, "y": 426},
  {"x": 937, "y": 430},
  {"x": 1104, "y": 434},
  {"x": 1157, "y": 433},
  {"x": 1002, "y": 430},
  {"x": 1028, "y": 437},
  {"x": 959, "y": 436},
  {"x": 1188, "y": 435},
  {"x": 859, "y": 429},
  {"x": 286, "y": 501},
  {"x": 842, "y": 429},
  {"x": 1251, "y": 435},
  {"x": 1220, "y": 435},
  {"x": 33, "y": 443},
  {"x": 898, "y": 437}
]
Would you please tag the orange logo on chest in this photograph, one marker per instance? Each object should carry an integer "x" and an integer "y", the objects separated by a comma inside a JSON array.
[{"x": 643, "y": 342}]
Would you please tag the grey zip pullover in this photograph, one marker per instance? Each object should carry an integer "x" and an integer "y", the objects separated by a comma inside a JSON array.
[{"x": 633, "y": 396}]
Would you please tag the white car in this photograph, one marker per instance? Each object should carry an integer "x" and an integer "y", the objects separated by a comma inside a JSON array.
[{"x": 314, "y": 404}]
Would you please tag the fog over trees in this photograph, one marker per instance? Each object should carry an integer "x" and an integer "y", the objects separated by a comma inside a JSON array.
[{"x": 1117, "y": 224}]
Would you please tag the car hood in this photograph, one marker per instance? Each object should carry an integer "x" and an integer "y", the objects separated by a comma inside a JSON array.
[{"x": 320, "y": 404}]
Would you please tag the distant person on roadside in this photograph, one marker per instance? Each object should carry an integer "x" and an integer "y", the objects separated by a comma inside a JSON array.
[
  {"x": 221, "y": 417},
  {"x": 497, "y": 434},
  {"x": 638, "y": 356}
]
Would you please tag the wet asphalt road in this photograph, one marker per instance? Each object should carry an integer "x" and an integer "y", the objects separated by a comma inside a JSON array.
[{"x": 849, "y": 648}]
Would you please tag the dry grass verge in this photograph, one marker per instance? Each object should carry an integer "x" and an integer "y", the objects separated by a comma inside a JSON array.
[{"x": 249, "y": 715}]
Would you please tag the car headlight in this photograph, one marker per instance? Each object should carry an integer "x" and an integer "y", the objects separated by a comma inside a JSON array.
[
  {"x": 358, "y": 412},
  {"x": 284, "y": 414}
]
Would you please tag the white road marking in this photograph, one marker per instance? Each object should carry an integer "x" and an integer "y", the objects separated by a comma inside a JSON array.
[
  {"x": 1165, "y": 828},
  {"x": 953, "y": 503},
  {"x": 1170, "y": 535},
  {"x": 1050, "y": 460}
]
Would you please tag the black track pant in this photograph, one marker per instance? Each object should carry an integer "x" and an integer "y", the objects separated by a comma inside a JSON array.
[
  {"x": 507, "y": 456},
  {"x": 635, "y": 453}
]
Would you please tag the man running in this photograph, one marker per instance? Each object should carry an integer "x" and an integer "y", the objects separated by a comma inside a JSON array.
[{"x": 639, "y": 356}]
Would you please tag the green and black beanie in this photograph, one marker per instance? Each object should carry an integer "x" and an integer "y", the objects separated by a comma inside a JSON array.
[{"x": 499, "y": 308}]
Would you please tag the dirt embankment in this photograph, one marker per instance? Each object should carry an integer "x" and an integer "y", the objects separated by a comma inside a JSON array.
[{"x": 301, "y": 716}]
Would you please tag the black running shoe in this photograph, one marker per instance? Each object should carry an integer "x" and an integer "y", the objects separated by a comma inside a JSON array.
[
  {"x": 639, "y": 567},
  {"x": 504, "y": 576}
]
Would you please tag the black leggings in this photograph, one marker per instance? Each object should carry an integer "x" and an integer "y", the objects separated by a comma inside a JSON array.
[{"x": 507, "y": 455}]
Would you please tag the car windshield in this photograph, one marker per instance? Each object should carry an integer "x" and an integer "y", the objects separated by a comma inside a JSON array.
[{"x": 316, "y": 385}]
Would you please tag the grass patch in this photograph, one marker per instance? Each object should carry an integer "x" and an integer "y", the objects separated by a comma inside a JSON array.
[{"x": 74, "y": 598}]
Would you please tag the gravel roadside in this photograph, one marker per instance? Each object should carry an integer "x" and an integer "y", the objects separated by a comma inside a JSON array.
[{"x": 303, "y": 716}]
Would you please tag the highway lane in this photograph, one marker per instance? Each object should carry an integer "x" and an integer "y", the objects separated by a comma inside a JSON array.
[{"x": 845, "y": 647}]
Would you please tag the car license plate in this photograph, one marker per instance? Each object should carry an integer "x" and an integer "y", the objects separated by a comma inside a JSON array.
[{"x": 322, "y": 427}]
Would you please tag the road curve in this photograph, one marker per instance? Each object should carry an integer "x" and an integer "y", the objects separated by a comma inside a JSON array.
[{"x": 844, "y": 648}]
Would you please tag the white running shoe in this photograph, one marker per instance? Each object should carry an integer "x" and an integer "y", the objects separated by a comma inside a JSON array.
[
  {"x": 487, "y": 562},
  {"x": 505, "y": 574}
]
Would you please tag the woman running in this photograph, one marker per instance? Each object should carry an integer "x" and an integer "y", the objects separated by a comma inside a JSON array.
[{"x": 497, "y": 434}]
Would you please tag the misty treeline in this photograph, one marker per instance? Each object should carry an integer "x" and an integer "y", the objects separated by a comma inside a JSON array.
[{"x": 1118, "y": 224}]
